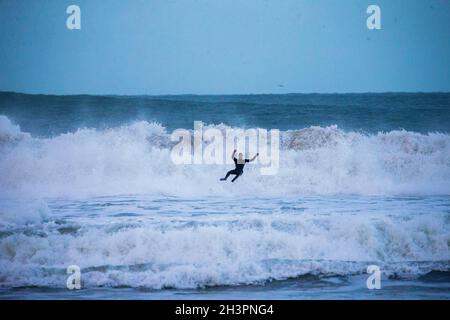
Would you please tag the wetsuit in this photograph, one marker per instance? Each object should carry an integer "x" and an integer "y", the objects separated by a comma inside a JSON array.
[{"x": 239, "y": 170}]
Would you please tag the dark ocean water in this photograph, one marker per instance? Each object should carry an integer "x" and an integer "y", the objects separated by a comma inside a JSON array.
[{"x": 49, "y": 115}]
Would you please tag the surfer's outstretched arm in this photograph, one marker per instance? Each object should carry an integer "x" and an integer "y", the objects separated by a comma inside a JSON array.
[
  {"x": 254, "y": 157},
  {"x": 234, "y": 153}
]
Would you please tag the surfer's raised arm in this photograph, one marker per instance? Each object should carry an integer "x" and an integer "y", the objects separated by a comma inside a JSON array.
[
  {"x": 254, "y": 157},
  {"x": 234, "y": 153}
]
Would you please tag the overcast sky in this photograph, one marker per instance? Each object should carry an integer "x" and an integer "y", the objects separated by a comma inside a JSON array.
[{"x": 224, "y": 46}]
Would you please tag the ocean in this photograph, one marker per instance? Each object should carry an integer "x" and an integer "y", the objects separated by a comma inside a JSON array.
[{"x": 363, "y": 179}]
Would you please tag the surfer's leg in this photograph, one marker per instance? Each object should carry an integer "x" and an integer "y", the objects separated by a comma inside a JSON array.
[
  {"x": 237, "y": 176},
  {"x": 228, "y": 174}
]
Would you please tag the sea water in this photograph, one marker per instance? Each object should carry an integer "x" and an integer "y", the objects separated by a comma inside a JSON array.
[{"x": 364, "y": 179}]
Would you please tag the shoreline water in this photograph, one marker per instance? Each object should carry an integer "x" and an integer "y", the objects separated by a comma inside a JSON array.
[
  {"x": 302, "y": 288},
  {"x": 136, "y": 247}
]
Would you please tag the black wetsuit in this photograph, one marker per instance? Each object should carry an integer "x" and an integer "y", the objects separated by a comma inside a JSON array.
[{"x": 239, "y": 170}]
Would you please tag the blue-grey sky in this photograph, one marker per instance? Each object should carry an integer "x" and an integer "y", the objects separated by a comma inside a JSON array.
[{"x": 224, "y": 46}]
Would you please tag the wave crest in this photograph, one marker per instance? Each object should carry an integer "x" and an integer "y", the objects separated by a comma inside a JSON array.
[{"x": 136, "y": 159}]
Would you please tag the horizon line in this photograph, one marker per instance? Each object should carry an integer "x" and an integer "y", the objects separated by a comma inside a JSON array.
[{"x": 219, "y": 94}]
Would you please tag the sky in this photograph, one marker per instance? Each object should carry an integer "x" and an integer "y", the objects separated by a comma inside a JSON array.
[{"x": 224, "y": 47}]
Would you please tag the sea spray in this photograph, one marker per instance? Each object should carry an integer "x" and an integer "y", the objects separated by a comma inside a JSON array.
[{"x": 136, "y": 158}]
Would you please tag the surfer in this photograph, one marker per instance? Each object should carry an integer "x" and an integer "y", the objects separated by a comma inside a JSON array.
[{"x": 239, "y": 163}]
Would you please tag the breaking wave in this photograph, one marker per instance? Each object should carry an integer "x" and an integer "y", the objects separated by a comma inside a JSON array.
[
  {"x": 228, "y": 249},
  {"x": 135, "y": 159}
]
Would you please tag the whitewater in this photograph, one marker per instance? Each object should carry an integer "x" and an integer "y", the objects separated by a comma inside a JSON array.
[
  {"x": 136, "y": 159},
  {"x": 110, "y": 200}
]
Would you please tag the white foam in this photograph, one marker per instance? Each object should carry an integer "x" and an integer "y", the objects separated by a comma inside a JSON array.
[
  {"x": 226, "y": 250},
  {"x": 9, "y": 131},
  {"x": 136, "y": 159}
]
